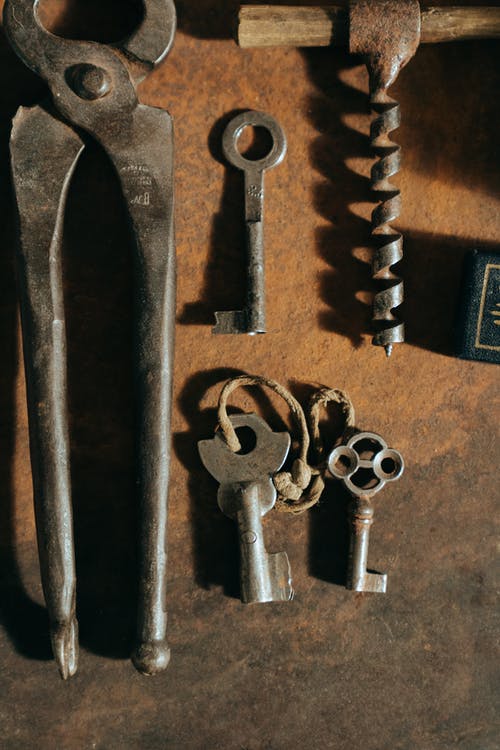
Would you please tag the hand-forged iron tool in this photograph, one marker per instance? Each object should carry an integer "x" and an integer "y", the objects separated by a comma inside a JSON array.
[{"x": 93, "y": 89}]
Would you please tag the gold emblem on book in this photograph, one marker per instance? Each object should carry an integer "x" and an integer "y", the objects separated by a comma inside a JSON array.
[
  {"x": 496, "y": 313},
  {"x": 490, "y": 268}
]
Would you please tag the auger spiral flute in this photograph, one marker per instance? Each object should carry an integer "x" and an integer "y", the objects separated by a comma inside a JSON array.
[
  {"x": 387, "y": 34},
  {"x": 388, "y": 243}
]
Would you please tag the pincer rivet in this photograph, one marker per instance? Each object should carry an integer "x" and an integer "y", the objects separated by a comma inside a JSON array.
[{"x": 89, "y": 81}]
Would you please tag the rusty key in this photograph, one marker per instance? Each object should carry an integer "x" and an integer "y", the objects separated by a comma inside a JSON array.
[
  {"x": 246, "y": 495},
  {"x": 365, "y": 465},
  {"x": 252, "y": 319}
]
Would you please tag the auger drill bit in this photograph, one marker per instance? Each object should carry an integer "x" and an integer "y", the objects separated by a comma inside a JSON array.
[
  {"x": 387, "y": 35},
  {"x": 388, "y": 243}
]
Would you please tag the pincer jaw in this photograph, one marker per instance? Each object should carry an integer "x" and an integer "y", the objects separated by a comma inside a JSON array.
[{"x": 152, "y": 41}]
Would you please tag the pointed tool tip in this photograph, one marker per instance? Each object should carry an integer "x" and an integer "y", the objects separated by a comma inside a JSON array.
[
  {"x": 65, "y": 647},
  {"x": 151, "y": 658},
  {"x": 388, "y": 350}
]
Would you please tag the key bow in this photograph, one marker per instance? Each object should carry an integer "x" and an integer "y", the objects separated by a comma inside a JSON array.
[{"x": 365, "y": 464}]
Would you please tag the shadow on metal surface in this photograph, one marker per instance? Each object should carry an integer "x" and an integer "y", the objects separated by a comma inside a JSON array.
[
  {"x": 329, "y": 536},
  {"x": 432, "y": 268},
  {"x": 334, "y": 196},
  {"x": 328, "y": 541},
  {"x": 99, "y": 312},
  {"x": 24, "y": 621},
  {"x": 215, "y": 545},
  {"x": 225, "y": 272},
  {"x": 207, "y": 19},
  {"x": 458, "y": 150}
]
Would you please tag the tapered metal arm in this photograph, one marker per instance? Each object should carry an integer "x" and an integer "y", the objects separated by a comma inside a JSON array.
[
  {"x": 141, "y": 150},
  {"x": 93, "y": 88},
  {"x": 41, "y": 183}
]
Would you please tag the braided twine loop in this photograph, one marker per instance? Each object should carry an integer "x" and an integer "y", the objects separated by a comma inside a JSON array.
[{"x": 302, "y": 487}]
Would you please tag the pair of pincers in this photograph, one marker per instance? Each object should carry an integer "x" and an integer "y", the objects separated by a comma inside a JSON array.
[{"x": 93, "y": 94}]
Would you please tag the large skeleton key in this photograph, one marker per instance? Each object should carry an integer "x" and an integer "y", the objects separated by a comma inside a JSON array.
[
  {"x": 252, "y": 319},
  {"x": 365, "y": 465},
  {"x": 247, "y": 494}
]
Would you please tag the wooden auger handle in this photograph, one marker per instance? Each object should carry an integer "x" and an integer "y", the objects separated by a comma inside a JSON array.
[{"x": 322, "y": 26}]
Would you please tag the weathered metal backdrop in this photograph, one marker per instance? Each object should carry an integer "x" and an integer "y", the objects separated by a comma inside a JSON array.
[{"x": 412, "y": 670}]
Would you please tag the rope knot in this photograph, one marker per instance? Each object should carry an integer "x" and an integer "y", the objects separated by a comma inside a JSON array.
[
  {"x": 302, "y": 487},
  {"x": 291, "y": 485},
  {"x": 301, "y": 474}
]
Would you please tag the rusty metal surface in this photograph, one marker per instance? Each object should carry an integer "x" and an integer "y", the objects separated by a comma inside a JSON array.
[
  {"x": 412, "y": 670},
  {"x": 386, "y": 33}
]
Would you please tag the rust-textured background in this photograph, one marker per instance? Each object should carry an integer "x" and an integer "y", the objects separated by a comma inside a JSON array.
[{"x": 412, "y": 670}]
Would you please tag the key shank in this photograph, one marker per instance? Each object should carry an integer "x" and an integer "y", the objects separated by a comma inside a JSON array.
[
  {"x": 361, "y": 513},
  {"x": 263, "y": 577},
  {"x": 256, "y": 275}
]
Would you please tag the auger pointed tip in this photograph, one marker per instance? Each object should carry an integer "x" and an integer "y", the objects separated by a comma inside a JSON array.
[
  {"x": 388, "y": 350},
  {"x": 65, "y": 647}
]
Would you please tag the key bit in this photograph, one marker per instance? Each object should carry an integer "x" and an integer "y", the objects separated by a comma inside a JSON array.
[
  {"x": 365, "y": 465},
  {"x": 246, "y": 495},
  {"x": 252, "y": 319}
]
